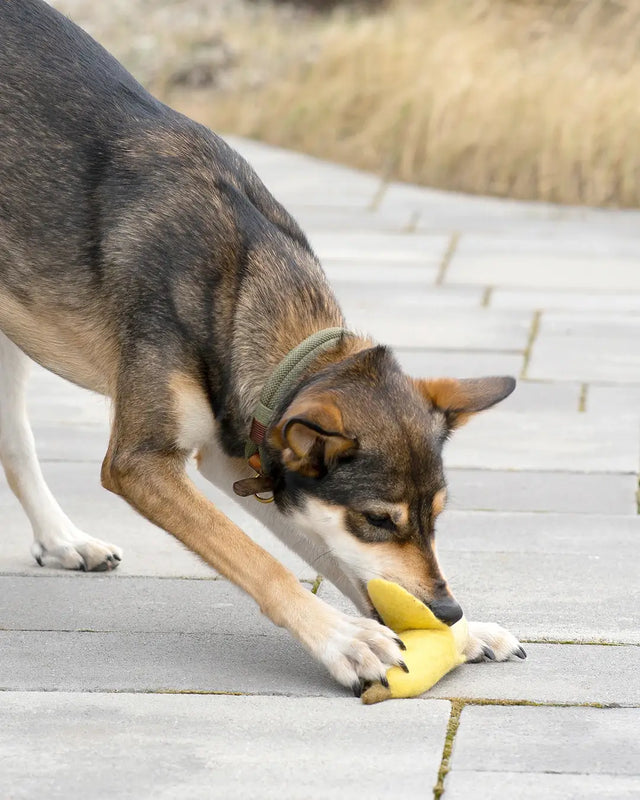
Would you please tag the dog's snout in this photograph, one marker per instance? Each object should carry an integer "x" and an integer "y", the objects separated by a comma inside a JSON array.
[{"x": 446, "y": 609}]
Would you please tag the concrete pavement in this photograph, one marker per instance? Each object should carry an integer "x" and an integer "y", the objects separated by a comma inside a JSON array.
[{"x": 162, "y": 680}]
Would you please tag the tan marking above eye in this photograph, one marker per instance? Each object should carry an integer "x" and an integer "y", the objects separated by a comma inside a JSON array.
[
  {"x": 398, "y": 513},
  {"x": 439, "y": 501}
]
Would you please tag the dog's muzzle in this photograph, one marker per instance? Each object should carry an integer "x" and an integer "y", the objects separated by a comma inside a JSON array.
[{"x": 446, "y": 610}]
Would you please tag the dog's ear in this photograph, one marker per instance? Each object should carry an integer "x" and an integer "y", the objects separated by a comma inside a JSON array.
[
  {"x": 311, "y": 436},
  {"x": 459, "y": 399}
]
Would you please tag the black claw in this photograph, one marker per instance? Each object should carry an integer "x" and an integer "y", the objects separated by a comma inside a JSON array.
[
  {"x": 521, "y": 653},
  {"x": 83, "y": 566},
  {"x": 356, "y": 688},
  {"x": 401, "y": 644},
  {"x": 488, "y": 652},
  {"x": 403, "y": 666},
  {"x": 384, "y": 682},
  {"x": 116, "y": 557},
  {"x": 39, "y": 560}
]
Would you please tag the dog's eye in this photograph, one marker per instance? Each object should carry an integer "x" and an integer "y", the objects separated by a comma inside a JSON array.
[{"x": 379, "y": 520}]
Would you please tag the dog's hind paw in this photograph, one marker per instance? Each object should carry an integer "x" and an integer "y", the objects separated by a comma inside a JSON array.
[
  {"x": 76, "y": 550},
  {"x": 490, "y": 642}
]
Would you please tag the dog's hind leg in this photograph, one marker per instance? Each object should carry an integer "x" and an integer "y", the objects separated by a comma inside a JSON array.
[{"x": 57, "y": 541}]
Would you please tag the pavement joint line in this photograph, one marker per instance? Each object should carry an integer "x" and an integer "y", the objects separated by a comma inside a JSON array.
[
  {"x": 497, "y": 510},
  {"x": 485, "y": 302},
  {"x": 559, "y": 642},
  {"x": 381, "y": 190},
  {"x": 486, "y": 701},
  {"x": 533, "y": 334},
  {"x": 74, "y": 575},
  {"x": 582, "y": 399},
  {"x": 446, "y": 258},
  {"x": 131, "y": 632},
  {"x": 514, "y": 470},
  {"x": 592, "y": 642},
  {"x": 412, "y": 222},
  {"x": 464, "y": 701},
  {"x": 450, "y": 735},
  {"x": 379, "y": 193}
]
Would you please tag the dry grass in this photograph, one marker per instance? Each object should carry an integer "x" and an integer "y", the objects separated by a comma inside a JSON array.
[{"x": 527, "y": 99}]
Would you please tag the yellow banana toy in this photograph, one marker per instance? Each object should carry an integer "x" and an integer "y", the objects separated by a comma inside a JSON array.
[{"x": 433, "y": 648}]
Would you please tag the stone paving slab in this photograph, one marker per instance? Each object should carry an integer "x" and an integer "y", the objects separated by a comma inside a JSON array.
[
  {"x": 536, "y": 398},
  {"x": 565, "y": 300},
  {"x": 373, "y": 247},
  {"x": 334, "y": 220},
  {"x": 588, "y": 264},
  {"x": 458, "y": 363},
  {"x": 552, "y": 673},
  {"x": 377, "y": 272},
  {"x": 614, "y": 400},
  {"x": 587, "y": 442},
  {"x": 207, "y": 747},
  {"x": 391, "y": 294},
  {"x": 452, "y": 329},
  {"x": 276, "y": 664},
  {"x": 550, "y": 597},
  {"x": 435, "y": 211},
  {"x": 535, "y": 785},
  {"x": 249, "y": 663},
  {"x": 114, "y": 603},
  {"x": 587, "y": 347},
  {"x": 548, "y": 271},
  {"x": 527, "y": 533},
  {"x": 588, "y": 246},
  {"x": 567, "y": 492},
  {"x": 546, "y": 576},
  {"x": 584, "y": 741},
  {"x": 65, "y": 440},
  {"x": 148, "y": 550}
]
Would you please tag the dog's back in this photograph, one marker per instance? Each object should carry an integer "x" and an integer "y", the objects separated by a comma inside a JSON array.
[
  {"x": 62, "y": 99},
  {"x": 72, "y": 117},
  {"x": 111, "y": 202}
]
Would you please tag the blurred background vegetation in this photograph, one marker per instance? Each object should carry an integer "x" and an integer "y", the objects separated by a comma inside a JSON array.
[{"x": 531, "y": 99}]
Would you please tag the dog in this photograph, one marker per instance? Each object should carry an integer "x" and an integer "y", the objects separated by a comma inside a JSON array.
[{"x": 142, "y": 258}]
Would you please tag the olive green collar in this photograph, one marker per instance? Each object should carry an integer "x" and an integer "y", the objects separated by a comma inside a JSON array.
[{"x": 281, "y": 381}]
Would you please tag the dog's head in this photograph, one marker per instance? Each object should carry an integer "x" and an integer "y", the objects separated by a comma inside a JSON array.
[{"x": 359, "y": 457}]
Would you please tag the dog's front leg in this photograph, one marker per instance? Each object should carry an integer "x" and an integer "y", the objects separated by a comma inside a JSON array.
[
  {"x": 221, "y": 470},
  {"x": 353, "y": 649}
]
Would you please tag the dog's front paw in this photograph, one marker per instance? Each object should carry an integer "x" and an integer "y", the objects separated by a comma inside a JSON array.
[
  {"x": 490, "y": 642},
  {"x": 72, "y": 549},
  {"x": 356, "y": 650}
]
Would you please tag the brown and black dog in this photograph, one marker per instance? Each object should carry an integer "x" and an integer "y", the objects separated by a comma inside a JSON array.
[{"x": 142, "y": 258}]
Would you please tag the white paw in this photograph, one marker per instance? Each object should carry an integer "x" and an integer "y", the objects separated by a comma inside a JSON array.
[
  {"x": 73, "y": 549},
  {"x": 490, "y": 642},
  {"x": 356, "y": 650}
]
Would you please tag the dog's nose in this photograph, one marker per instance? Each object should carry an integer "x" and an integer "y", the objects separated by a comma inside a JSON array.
[{"x": 446, "y": 610}]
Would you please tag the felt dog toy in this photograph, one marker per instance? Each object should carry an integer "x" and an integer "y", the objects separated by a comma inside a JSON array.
[{"x": 433, "y": 648}]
